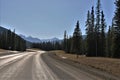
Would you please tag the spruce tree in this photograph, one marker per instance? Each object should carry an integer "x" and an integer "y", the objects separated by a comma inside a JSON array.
[
  {"x": 117, "y": 30},
  {"x": 77, "y": 38},
  {"x": 69, "y": 42},
  {"x": 88, "y": 24},
  {"x": 65, "y": 41},
  {"x": 90, "y": 33},
  {"x": 102, "y": 37},
  {"x": 9, "y": 39},
  {"x": 13, "y": 40},
  {"x": 97, "y": 29},
  {"x": 110, "y": 42}
]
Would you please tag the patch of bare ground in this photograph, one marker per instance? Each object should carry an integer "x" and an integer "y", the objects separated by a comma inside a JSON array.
[
  {"x": 109, "y": 65},
  {"x": 7, "y": 52},
  {"x": 2, "y": 50}
]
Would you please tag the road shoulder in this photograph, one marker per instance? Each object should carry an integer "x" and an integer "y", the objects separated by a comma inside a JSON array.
[{"x": 105, "y": 75}]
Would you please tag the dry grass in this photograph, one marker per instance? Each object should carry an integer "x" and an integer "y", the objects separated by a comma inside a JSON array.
[
  {"x": 106, "y": 64},
  {"x": 2, "y": 50}
]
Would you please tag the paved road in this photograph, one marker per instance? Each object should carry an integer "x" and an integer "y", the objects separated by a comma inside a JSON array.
[{"x": 36, "y": 66}]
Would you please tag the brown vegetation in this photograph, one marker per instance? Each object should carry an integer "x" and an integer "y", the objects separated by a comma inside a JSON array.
[
  {"x": 105, "y": 64},
  {"x": 2, "y": 50}
]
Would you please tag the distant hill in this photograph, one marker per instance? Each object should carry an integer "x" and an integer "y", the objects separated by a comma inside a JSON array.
[
  {"x": 2, "y": 29},
  {"x": 30, "y": 39},
  {"x": 51, "y": 40},
  {"x": 37, "y": 40}
]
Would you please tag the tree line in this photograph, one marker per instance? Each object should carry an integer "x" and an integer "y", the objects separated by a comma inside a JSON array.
[
  {"x": 97, "y": 42},
  {"x": 11, "y": 41},
  {"x": 55, "y": 45}
]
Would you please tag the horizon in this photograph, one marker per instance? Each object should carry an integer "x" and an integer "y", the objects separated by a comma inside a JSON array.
[{"x": 49, "y": 19}]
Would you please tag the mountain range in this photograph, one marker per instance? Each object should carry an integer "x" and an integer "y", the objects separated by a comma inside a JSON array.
[
  {"x": 32, "y": 39},
  {"x": 37, "y": 40}
]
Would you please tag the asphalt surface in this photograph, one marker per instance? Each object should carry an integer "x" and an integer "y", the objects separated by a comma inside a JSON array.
[{"x": 38, "y": 65}]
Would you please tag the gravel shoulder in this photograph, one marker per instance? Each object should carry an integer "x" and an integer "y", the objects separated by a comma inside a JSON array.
[
  {"x": 107, "y": 68},
  {"x": 7, "y": 52}
]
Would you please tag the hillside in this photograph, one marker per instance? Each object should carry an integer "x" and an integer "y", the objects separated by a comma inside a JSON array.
[
  {"x": 2, "y": 29},
  {"x": 9, "y": 40}
]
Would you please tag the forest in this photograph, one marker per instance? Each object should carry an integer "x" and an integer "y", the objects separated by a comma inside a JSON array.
[
  {"x": 98, "y": 42},
  {"x": 11, "y": 41}
]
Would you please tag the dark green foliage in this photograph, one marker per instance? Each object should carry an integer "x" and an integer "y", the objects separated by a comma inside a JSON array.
[
  {"x": 95, "y": 29},
  {"x": 98, "y": 44},
  {"x": 69, "y": 44},
  {"x": 110, "y": 42},
  {"x": 11, "y": 41},
  {"x": 73, "y": 44},
  {"x": 65, "y": 41},
  {"x": 47, "y": 46},
  {"x": 76, "y": 41},
  {"x": 97, "y": 26},
  {"x": 102, "y": 36},
  {"x": 90, "y": 34},
  {"x": 117, "y": 30}
]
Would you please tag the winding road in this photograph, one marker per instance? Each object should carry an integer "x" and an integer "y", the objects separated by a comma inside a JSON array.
[{"x": 38, "y": 65}]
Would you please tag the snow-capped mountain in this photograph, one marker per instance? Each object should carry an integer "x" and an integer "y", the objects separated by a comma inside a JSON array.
[
  {"x": 51, "y": 40},
  {"x": 37, "y": 40},
  {"x": 30, "y": 39}
]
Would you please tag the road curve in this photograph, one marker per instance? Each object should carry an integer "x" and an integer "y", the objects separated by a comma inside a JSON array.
[
  {"x": 24, "y": 66},
  {"x": 36, "y": 66}
]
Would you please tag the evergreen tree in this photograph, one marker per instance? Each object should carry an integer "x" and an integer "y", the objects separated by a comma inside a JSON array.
[
  {"x": 65, "y": 41},
  {"x": 69, "y": 44},
  {"x": 117, "y": 30},
  {"x": 110, "y": 42},
  {"x": 13, "y": 40},
  {"x": 76, "y": 42},
  {"x": 102, "y": 37},
  {"x": 96, "y": 40},
  {"x": 9, "y": 39},
  {"x": 88, "y": 22},
  {"x": 97, "y": 29},
  {"x": 88, "y": 25},
  {"x": 90, "y": 33}
]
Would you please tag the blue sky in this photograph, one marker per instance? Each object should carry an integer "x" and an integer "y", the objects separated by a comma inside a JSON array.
[{"x": 49, "y": 18}]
